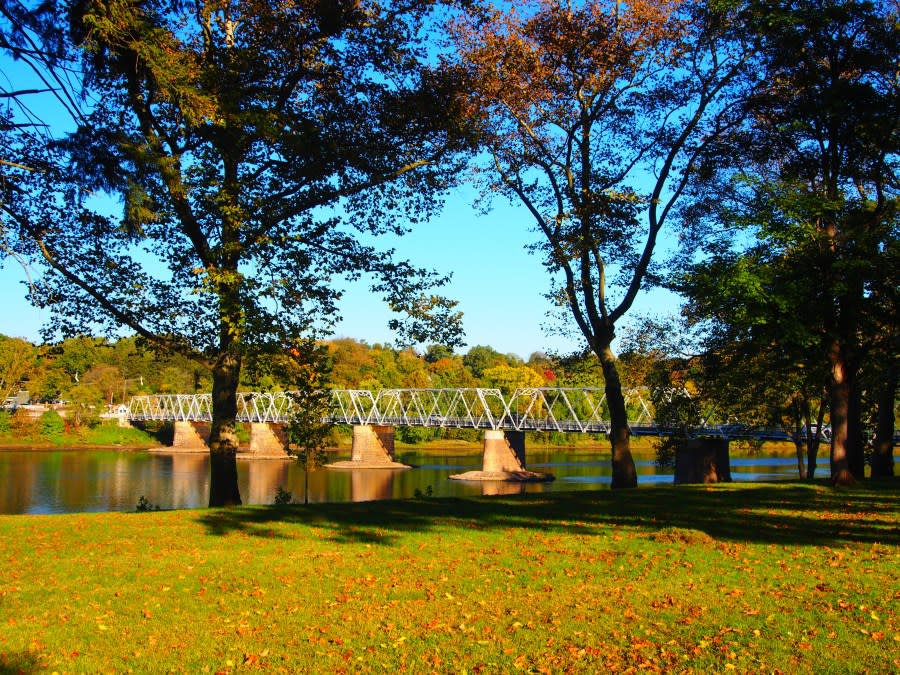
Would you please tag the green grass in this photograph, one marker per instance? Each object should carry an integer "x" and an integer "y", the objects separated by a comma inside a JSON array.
[
  {"x": 109, "y": 433},
  {"x": 105, "y": 434},
  {"x": 750, "y": 578}
]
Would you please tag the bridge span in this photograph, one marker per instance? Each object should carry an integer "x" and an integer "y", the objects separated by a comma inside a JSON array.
[
  {"x": 581, "y": 410},
  {"x": 374, "y": 415}
]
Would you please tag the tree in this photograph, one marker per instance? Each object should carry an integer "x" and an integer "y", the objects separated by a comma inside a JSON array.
[
  {"x": 760, "y": 337},
  {"x": 434, "y": 353},
  {"x": 593, "y": 115},
  {"x": 32, "y": 36},
  {"x": 481, "y": 357},
  {"x": 811, "y": 178},
  {"x": 257, "y": 146},
  {"x": 17, "y": 360},
  {"x": 308, "y": 432},
  {"x": 509, "y": 378}
]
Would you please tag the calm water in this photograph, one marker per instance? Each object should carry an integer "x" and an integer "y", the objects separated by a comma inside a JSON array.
[{"x": 74, "y": 481}]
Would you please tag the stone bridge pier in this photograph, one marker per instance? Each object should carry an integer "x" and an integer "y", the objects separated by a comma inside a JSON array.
[
  {"x": 503, "y": 459},
  {"x": 373, "y": 448},
  {"x": 188, "y": 437},
  {"x": 267, "y": 441}
]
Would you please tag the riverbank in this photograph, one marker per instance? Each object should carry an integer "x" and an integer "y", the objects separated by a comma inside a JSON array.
[
  {"x": 112, "y": 437},
  {"x": 751, "y": 578},
  {"x": 642, "y": 446},
  {"x": 107, "y": 435}
]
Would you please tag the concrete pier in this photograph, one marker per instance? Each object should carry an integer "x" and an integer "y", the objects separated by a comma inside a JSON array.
[
  {"x": 187, "y": 438},
  {"x": 503, "y": 459},
  {"x": 373, "y": 448},
  {"x": 266, "y": 442}
]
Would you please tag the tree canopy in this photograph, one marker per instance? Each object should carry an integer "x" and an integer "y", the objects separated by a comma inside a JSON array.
[
  {"x": 260, "y": 149},
  {"x": 593, "y": 115},
  {"x": 799, "y": 212}
]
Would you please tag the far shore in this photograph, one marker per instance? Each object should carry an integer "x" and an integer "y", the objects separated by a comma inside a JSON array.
[{"x": 641, "y": 449}]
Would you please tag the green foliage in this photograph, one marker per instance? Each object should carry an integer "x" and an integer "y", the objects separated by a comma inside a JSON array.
[
  {"x": 52, "y": 426},
  {"x": 797, "y": 219},
  {"x": 308, "y": 431},
  {"x": 434, "y": 353},
  {"x": 18, "y": 359},
  {"x": 144, "y": 505},
  {"x": 5, "y": 422},
  {"x": 480, "y": 357},
  {"x": 109, "y": 433},
  {"x": 413, "y": 435},
  {"x": 283, "y": 497},
  {"x": 242, "y": 431},
  {"x": 380, "y": 147},
  {"x": 678, "y": 413}
]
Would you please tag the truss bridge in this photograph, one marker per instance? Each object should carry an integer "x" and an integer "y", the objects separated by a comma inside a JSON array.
[
  {"x": 581, "y": 410},
  {"x": 504, "y": 419}
]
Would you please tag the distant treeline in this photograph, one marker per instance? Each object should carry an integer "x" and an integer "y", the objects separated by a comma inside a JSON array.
[{"x": 89, "y": 371}]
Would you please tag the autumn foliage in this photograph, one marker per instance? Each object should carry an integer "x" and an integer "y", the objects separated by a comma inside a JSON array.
[{"x": 593, "y": 115}]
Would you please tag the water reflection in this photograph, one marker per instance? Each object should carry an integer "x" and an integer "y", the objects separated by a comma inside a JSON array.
[
  {"x": 491, "y": 488},
  {"x": 367, "y": 486},
  {"x": 263, "y": 477},
  {"x": 70, "y": 481}
]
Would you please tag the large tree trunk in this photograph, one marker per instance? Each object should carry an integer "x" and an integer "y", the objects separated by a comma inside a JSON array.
[
  {"x": 839, "y": 394},
  {"x": 883, "y": 455},
  {"x": 223, "y": 441},
  {"x": 624, "y": 475},
  {"x": 856, "y": 444}
]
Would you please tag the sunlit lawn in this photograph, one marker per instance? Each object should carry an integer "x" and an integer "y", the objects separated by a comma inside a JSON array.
[{"x": 750, "y": 578}]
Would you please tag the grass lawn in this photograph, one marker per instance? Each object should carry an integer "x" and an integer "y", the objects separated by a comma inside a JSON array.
[{"x": 767, "y": 578}]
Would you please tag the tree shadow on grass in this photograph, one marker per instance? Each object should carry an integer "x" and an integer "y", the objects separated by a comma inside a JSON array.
[
  {"x": 19, "y": 663},
  {"x": 777, "y": 513}
]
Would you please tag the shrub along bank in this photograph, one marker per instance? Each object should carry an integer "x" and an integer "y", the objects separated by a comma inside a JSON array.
[{"x": 791, "y": 578}]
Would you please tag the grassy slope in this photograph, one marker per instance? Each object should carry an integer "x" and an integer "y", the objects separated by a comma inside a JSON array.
[
  {"x": 105, "y": 434},
  {"x": 754, "y": 578}
]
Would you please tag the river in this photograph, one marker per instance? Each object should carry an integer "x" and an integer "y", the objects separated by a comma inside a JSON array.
[{"x": 69, "y": 481}]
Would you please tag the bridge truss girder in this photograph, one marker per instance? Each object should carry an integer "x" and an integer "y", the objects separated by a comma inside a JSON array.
[
  {"x": 580, "y": 410},
  {"x": 473, "y": 408}
]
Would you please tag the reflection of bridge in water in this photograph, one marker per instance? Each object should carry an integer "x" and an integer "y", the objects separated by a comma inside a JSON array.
[{"x": 374, "y": 415}]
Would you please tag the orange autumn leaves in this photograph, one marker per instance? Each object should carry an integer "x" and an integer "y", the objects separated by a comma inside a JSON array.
[{"x": 536, "y": 61}]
